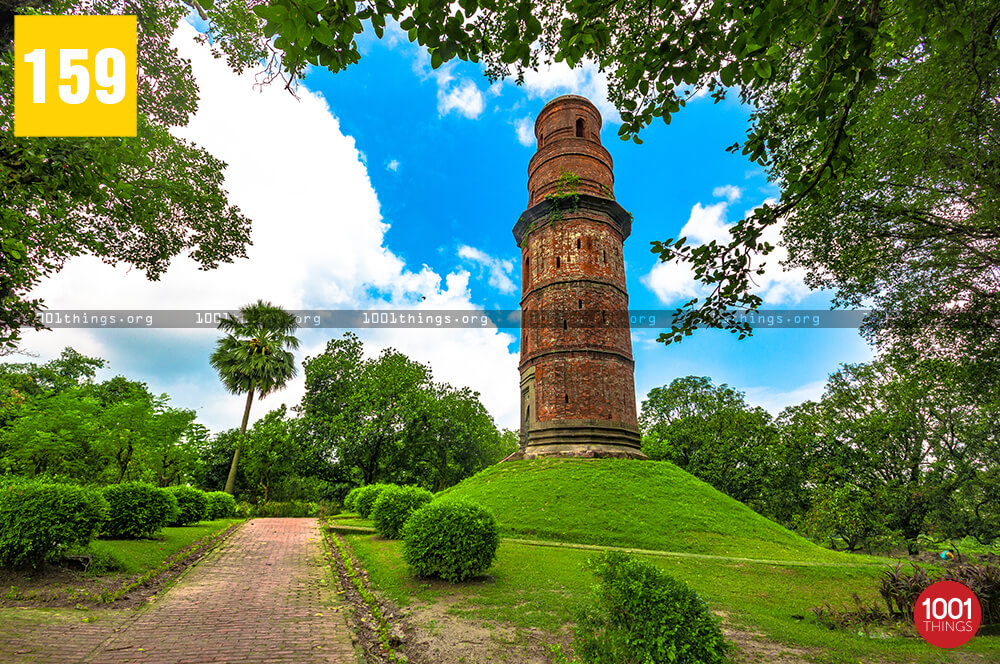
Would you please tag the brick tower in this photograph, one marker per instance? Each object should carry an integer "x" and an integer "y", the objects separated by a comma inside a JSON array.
[{"x": 577, "y": 383}]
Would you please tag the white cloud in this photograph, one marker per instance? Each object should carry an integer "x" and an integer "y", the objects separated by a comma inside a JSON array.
[
  {"x": 525, "y": 128},
  {"x": 672, "y": 281},
  {"x": 465, "y": 98},
  {"x": 461, "y": 95},
  {"x": 730, "y": 192},
  {"x": 586, "y": 80},
  {"x": 499, "y": 269},
  {"x": 707, "y": 223},
  {"x": 393, "y": 165},
  {"x": 774, "y": 401},
  {"x": 305, "y": 254}
]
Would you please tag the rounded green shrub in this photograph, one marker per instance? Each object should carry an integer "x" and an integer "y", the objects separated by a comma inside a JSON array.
[
  {"x": 350, "y": 500},
  {"x": 394, "y": 506},
  {"x": 221, "y": 505},
  {"x": 453, "y": 539},
  {"x": 366, "y": 498},
  {"x": 39, "y": 521},
  {"x": 192, "y": 505},
  {"x": 137, "y": 509},
  {"x": 638, "y": 613}
]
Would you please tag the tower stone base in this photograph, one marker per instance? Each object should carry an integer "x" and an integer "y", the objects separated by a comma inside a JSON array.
[{"x": 591, "y": 439}]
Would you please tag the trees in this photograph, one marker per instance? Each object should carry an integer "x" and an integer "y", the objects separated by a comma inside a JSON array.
[
  {"x": 457, "y": 439},
  {"x": 913, "y": 437},
  {"x": 254, "y": 356},
  {"x": 139, "y": 201},
  {"x": 877, "y": 120},
  {"x": 895, "y": 449},
  {"x": 64, "y": 425},
  {"x": 712, "y": 433},
  {"x": 913, "y": 226},
  {"x": 272, "y": 452},
  {"x": 848, "y": 514},
  {"x": 387, "y": 421},
  {"x": 877, "y": 210}
]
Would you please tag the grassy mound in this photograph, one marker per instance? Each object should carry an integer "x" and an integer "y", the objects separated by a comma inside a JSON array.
[{"x": 637, "y": 504}]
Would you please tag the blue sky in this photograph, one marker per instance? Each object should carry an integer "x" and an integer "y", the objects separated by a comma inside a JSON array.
[{"x": 389, "y": 182}]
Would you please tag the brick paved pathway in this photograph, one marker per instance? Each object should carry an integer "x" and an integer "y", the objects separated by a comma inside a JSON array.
[{"x": 265, "y": 595}]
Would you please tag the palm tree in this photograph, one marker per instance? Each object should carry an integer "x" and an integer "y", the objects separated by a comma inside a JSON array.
[{"x": 254, "y": 356}]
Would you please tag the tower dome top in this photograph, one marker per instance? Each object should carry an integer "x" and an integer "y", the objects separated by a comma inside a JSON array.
[
  {"x": 570, "y": 99},
  {"x": 568, "y": 116}
]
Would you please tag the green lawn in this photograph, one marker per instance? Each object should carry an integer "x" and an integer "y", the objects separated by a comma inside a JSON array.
[
  {"x": 350, "y": 520},
  {"x": 134, "y": 557},
  {"x": 532, "y": 586},
  {"x": 648, "y": 505}
]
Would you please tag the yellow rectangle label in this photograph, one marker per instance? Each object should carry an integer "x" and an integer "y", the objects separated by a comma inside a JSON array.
[{"x": 75, "y": 76}]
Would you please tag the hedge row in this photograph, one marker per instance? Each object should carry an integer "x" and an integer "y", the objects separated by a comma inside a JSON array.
[
  {"x": 40, "y": 520},
  {"x": 289, "y": 509}
]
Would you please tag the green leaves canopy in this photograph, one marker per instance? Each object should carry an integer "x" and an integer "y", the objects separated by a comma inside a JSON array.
[
  {"x": 139, "y": 201},
  {"x": 713, "y": 434},
  {"x": 387, "y": 421},
  {"x": 54, "y": 421}
]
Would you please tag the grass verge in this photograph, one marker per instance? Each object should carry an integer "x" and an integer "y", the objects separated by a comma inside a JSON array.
[
  {"x": 180, "y": 556},
  {"x": 364, "y": 599},
  {"x": 117, "y": 567},
  {"x": 531, "y": 586},
  {"x": 141, "y": 556}
]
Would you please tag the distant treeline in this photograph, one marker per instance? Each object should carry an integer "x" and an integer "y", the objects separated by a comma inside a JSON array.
[
  {"x": 361, "y": 421},
  {"x": 894, "y": 450}
]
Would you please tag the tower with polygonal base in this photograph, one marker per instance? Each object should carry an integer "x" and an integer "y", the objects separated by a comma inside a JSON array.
[{"x": 577, "y": 371}]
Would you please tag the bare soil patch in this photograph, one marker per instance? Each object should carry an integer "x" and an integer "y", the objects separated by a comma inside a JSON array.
[
  {"x": 436, "y": 636},
  {"x": 429, "y": 633},
  {"x": 754, "y": 648}
]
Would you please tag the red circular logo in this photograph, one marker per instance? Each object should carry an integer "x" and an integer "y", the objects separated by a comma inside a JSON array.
[{"x": 947, "y": 614}]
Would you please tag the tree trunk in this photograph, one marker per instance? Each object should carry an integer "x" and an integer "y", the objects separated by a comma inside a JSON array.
[
  {"x": 231, "y": 480},
  {"x": 123, "y": 463}
]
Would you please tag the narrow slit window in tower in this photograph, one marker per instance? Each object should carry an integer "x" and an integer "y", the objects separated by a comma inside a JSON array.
[
  {"x": 579, "y": 128},
  {"x": 564, "y": 324},
  {"x": 605, "y": 255},
  {"x": 557, "y": 261},
  {"x": 567, "y": 398},
  {"x": 577, "y": 243},
  {"x": 604, "y": 317},
  {"x": 580, "y": 302}
]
